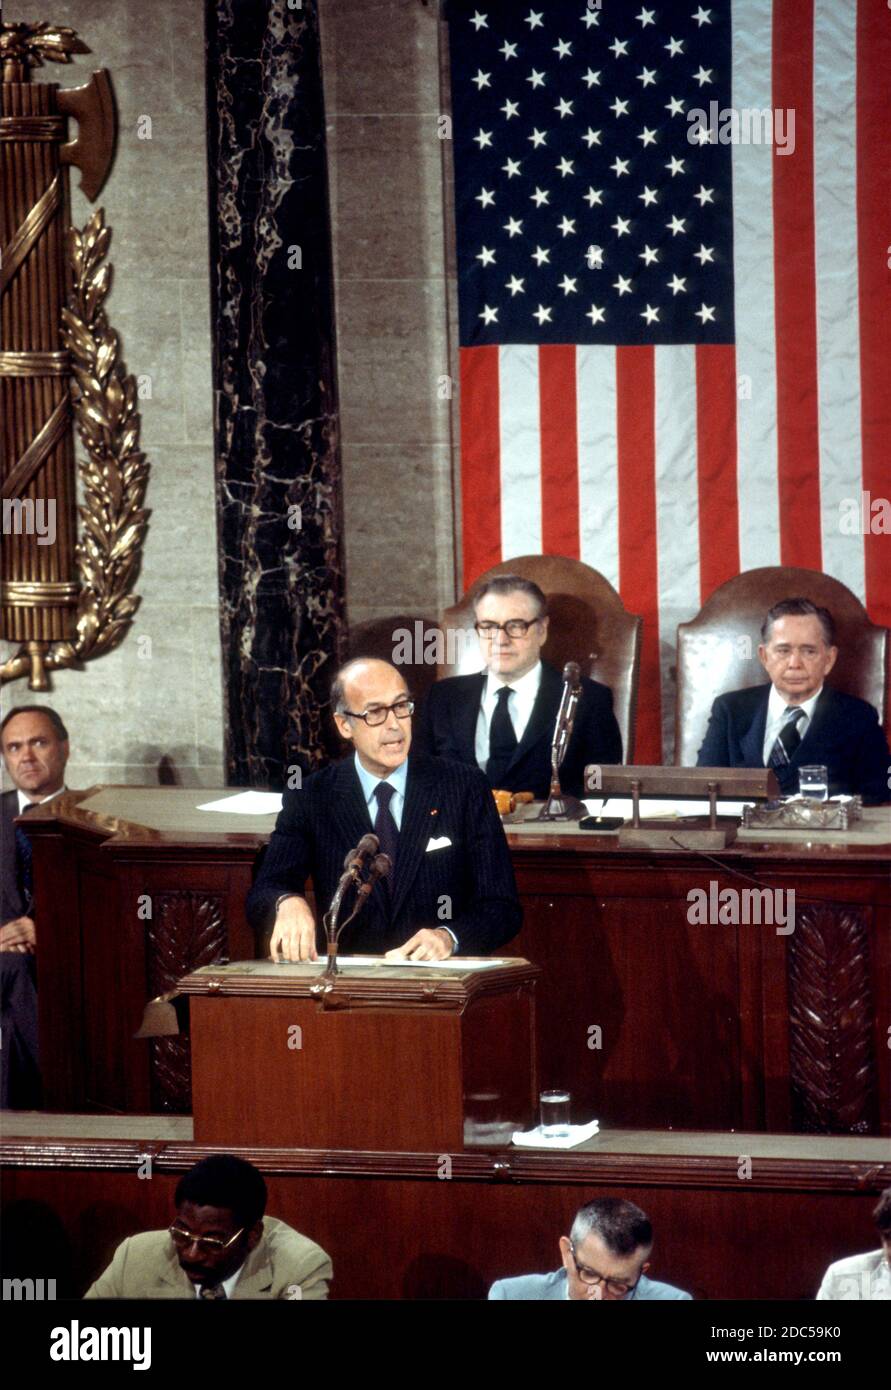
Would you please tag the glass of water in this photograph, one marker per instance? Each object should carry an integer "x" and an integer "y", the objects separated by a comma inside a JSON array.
[
  {"x": 813, "y": 782},
  {"x": 554, "y": 1112}
]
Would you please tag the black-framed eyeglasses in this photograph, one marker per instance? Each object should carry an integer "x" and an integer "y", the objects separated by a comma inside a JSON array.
[
  {"x": 208, "y": 1245},
  {"x": 618, "y": 1287},
  {"x": 403, "y": 709},
  {"x": 514, "y": 627}
]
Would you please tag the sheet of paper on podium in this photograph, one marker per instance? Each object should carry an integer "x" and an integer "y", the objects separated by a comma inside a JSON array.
[
  {"x": 246, "y": 804},
  {"x": 452, "y": 963}
]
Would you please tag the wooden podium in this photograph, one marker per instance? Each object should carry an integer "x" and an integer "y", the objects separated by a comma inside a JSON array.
[{"x": 405, "y": 1058}]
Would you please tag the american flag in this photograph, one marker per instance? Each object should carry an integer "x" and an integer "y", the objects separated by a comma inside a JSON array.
[{"x": 675, "y": 324}]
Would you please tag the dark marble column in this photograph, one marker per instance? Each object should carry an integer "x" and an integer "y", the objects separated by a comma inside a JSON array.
[{"x": 278, "y": 475}]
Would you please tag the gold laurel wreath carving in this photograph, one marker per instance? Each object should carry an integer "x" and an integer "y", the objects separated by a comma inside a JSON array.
[{"x": 114, "y": 471}]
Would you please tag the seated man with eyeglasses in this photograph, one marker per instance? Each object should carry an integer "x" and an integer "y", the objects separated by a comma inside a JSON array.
[
  {"x": 219, "y": 1246},
  {"x": 451, "y": 885},
  {"x": 605, "y": 1258},
  {"x": 502, "y": 720}
]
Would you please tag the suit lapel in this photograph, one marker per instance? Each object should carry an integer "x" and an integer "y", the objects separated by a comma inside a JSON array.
[
  {"x": 350, "y": 808},
  {"x": 174, "y": 1276},
  {"x": 415, "y": 829},
  {"x": 544, "y": 713},
  {"x": 255, "y": 1280},
  {"x": 466, "y": 716},
  {"x": 752, "y": 741}
]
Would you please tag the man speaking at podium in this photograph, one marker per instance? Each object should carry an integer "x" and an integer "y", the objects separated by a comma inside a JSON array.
[{"x": 451, "y": 887}]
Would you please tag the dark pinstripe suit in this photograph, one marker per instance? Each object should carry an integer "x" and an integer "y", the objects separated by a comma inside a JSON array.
[{"x": 319, "y": 824}]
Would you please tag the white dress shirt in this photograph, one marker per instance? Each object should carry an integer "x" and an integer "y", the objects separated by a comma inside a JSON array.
[
  {"x": 370, "y": 783},
  {"x": 777, "y": 705},
  {"x": 519, "y": 707},
  {"x": 398, "y": 780}
]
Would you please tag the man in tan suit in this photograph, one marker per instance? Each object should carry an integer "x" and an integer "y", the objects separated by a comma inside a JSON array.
[{"x": 220, "y": 1246}]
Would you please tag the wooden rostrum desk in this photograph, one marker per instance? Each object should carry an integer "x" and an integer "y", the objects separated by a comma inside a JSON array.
[
  {"x": 648, "y": 1019},
  {"x": 429, "y": 1224}
]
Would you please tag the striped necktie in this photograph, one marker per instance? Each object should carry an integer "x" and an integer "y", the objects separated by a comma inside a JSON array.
[{"x": 788, "y": 739}]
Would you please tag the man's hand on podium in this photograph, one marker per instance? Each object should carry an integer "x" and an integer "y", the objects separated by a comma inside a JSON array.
[
  {"x": 430, "y": 943},
  {"x": 19, "y": 935},
  {"x": 294, "y": 933}
]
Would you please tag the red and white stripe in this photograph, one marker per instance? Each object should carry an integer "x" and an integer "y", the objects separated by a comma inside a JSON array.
[{"x": 672, "y": 469}]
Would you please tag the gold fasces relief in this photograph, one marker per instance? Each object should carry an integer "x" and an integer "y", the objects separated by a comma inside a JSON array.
[
  {"x": 67, "y": 592},
  {"x": 114, "y": 471}
]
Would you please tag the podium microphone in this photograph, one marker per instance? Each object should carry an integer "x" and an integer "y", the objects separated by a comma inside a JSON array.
[
  {"x": 572, "y": 675},
  {"x": 558, "y": 805},
  {"x": 380, "y": 867},
  {"x": 353, "y": 873},
  {"x": 367, "y": 846}
]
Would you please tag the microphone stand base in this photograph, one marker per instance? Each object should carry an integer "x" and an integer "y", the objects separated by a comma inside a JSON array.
[{"x": 561, "y": 807}]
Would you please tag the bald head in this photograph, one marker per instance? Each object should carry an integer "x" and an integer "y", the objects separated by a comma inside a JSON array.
[
  {"x": 360, "y": 669},
  {"x": 368, "y": 686}
]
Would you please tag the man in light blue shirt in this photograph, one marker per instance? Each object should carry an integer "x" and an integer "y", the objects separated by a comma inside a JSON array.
[
  {"x": 605, "y": 1259},
  {"x": 369, "y": 782}
]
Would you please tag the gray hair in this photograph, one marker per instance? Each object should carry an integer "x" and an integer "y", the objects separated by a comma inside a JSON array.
[
  {"x": 621, "y": 1225},
  {"x": 511, "y": 584},
  {"x": 800, "y": 608}
]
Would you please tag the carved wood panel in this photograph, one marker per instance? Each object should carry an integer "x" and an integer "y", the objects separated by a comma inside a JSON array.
[
  {"x": 832, "y": 1053},
  {"x": 187, "y": 930}
]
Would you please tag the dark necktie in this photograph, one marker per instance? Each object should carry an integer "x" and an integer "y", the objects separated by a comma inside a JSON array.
[
  {"x": 211, "y": 1291},
  {"x": 24, "y": 876},
  {"x": 385, "y": 827},
  {"x": 788, "y": 739},
  {"x": 502, "y": 738}
]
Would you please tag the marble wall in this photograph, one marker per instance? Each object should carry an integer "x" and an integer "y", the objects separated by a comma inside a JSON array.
[
  {"x": 278, "y": 472},
  {"x": 385, "y": 89},
  {"x": 152, "y": 710},
  {"x": 157, "y": 708}
]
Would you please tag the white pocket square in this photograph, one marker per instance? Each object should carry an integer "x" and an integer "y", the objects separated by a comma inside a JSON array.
[{"x": 439, "y": 843}]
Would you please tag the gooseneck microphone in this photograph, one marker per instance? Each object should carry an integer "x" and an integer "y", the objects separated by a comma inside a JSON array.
[
  {"x": 367, "y": 846},
  {"x": 364, "y": 875},
  {"x": 558, "y": 805},
  {"x": 379, "y": 867}
]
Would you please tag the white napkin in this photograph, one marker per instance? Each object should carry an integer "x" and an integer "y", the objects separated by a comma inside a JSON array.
[{"x": 534, "y": 1139}]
